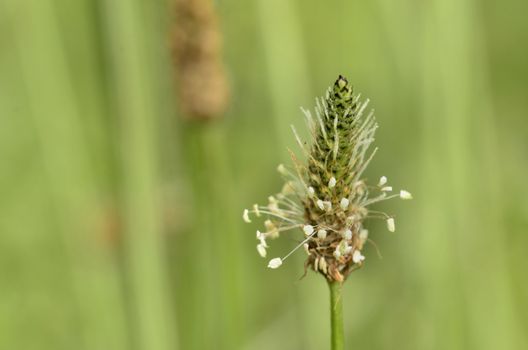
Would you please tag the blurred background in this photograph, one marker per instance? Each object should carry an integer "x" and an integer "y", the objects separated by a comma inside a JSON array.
[{"x": 133, "y": 134}]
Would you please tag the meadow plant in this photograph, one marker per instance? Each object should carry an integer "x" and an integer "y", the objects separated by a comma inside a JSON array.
[{"x": 325, "y": 195}]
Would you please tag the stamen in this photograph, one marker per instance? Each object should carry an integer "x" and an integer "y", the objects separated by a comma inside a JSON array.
[
  {"x": 405, "y": 195},
  {"x": 298, "y": 246},
  {"x": 357, "y": 257},
  {"x": 245, "y": 216},
  {"x": 308, "y": 230},
  {"x": 261, "y": 250},
  {"x": 275, "y": 263},
  {"x": 391, "y": 225}
]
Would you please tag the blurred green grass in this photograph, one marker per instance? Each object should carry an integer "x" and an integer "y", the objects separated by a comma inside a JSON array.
[{"x": 120, "y": 221}]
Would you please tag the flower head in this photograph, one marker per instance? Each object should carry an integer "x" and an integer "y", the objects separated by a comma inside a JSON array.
[{"x": 327, "y": 196}]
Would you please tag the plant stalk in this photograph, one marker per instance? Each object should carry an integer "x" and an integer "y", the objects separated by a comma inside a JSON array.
[{"x": 336, "y": 316}]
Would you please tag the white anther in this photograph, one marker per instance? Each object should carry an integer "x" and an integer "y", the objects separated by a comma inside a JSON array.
[
  {"x": 391, "y": 225},
  {"x": 321, "y": 234},
  {"x": 386, "y": 189},
  {"x": 344, "y": 203},
  {"x": 332, "y": 182},
  {"x": 405, "y": 195},
  {"x": 357, "y": 257},
  {"x": 245, "y": 216},
  {"x": 308, "y": 230},
  {"x": 275, "y": 263},
  {"x": 261, "y": 249},
  {"x": 382, "y": 181}
]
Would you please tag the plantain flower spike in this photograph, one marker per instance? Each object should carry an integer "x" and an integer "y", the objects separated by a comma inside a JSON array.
[{"x": 328, "y": 199}]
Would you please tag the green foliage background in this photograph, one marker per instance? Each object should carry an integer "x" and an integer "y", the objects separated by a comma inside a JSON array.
[{"x": 120, "y": 223}]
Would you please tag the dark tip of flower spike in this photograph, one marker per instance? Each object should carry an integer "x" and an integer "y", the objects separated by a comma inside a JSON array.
[{"x": 341, "y": 82}]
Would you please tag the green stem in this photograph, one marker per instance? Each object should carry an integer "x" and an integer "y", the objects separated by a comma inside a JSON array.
[{"x": 336, "y": 316}]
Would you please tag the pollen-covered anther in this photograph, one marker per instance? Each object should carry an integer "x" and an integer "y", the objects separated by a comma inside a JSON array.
[
  {"x": 405, "y": 195},
  {"x": 321, "y": 234},
  {"x": 275, "y": 263},
  {"x": 308, "y": 230},
  {"x": 357, "y": 257},
  {"x": 382, "y": 181},
  {"x": 320, "y": 204},
  {"x": 245, "y": 216},
  {"x": 261, "y": 250},
  {"x": 311, "y": 191},
  {"x": 347, "y": 235},
  {"x": 344, "y": 203},
  {"x": 391, "y": 226},
  {"x": 332, "y": 182},
  {"x": 262, "y": 238}
]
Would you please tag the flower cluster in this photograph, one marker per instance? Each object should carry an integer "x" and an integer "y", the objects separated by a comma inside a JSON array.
[{"x": 325, "y": 195}]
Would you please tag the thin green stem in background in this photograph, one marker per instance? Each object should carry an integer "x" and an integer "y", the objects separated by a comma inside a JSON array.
[{"x": 336, "y": 316}]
